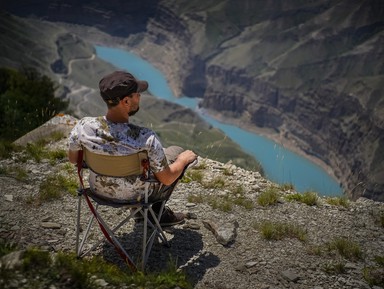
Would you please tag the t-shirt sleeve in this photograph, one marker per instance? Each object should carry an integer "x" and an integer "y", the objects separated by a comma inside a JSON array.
[{"x": 157, "y": 158}]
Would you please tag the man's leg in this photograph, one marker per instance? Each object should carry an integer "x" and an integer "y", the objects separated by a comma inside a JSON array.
[{"x": 169, "y": 217}]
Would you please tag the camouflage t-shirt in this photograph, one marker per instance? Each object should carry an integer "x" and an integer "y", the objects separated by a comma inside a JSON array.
[{"x": 99, "y": 135}]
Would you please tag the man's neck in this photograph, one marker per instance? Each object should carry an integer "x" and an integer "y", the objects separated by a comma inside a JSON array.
[{"x": 116, "y": 118}]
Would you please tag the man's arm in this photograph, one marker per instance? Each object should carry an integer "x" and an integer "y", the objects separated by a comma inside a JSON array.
[
  {"x": 72, "y": 156},
  {"x": 174, "y": 170}
]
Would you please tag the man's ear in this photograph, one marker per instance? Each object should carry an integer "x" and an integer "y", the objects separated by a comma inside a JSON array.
[{"x": 125, "y": 100}]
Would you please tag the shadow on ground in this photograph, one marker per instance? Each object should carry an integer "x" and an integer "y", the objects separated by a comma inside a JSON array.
[{"x": 185, "y": 251}]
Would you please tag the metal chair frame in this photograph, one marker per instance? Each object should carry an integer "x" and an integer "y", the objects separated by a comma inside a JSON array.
[{"x": 140, "y": 164}]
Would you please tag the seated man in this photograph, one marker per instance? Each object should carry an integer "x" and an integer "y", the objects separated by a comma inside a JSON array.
[{"x": 112, "y": 134}]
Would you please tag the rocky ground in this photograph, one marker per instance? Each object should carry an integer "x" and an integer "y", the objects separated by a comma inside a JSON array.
[{"x": 236, "y": 255}]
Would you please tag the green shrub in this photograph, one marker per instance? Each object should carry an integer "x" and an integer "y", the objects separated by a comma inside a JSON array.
[
  {"x": 374, "y": 276},
  {"x": 27, "y": 100},
  {"x": 6, "y": 247},
  {"x": 196, "y": 198},
  {"x": 309, "y": 198},
  {"x": 65, "y": 270},
  {"x": 268, "y": 197},
  {"x": 34, "y": 258},
  {"x": 381, "y": 219},
  {"x": 338, "y": 201},
  {"x": 334, "y": 268},
  {"x": 226, "y": 202},
  {"x": 216, "y": 183},
  {"x": 346, "y": 248},
  {"x": 193, "y": 175},
  {"x": 287, "y": 187},
  {"x": 55, "y": 185},
  {"x": 277, "y": 231}
]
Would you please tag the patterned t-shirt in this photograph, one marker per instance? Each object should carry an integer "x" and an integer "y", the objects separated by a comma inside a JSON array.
[{"x": 99, "y": 135}]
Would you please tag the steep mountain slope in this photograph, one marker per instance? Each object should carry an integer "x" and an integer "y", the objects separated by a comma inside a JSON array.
[
  {"x": 310, "y": 72},
  {"x": 72, "y": 64}
]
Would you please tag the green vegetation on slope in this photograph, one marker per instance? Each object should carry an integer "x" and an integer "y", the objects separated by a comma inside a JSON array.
[{"x": 26, "y": 101}]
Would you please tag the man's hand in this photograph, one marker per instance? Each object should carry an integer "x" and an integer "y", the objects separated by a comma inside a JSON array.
[
  {"x": 174, "y": 170},
  {"x": 187, "y": 157}
]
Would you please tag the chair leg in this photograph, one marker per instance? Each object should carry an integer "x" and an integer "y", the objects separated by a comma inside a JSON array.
[
  {"x": 80, "y": 252},
  {"x": 78, "y": 224}
]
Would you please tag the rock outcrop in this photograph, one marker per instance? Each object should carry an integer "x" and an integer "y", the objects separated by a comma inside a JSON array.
[{"x": 217, "y": 248}]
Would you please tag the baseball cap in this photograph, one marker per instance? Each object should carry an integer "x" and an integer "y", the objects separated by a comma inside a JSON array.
[{"x": 119, "y": 84}]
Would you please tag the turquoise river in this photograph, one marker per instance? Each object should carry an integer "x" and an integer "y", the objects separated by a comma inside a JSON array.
[{"x": 280, "y": 164}]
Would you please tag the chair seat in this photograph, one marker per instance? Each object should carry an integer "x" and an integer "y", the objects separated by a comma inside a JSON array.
[{"x": 105, "y": 201}]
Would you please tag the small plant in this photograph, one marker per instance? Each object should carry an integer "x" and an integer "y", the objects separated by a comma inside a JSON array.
[
  {"x": 7, "y": 148},
  {"x": 277, "y": 231},
  {"x": 6, "y": 248},
  {"x": 193, "y": 175},
  {"x": 18, "y": 172},
  {"x": 3, "y": 170},
  {"x": 66, "y": 270},
  {"x": 338, "y": 201},
  {"x": 201, "y": 165},
  {"x": 335, "y": 268},
  {"x": 56, "y": 136},
  {"x": 287, "y": 187},
  {"x": 54, "y": 185},
  {"x": 55, "y": 155},
  {"x": 68, "y": 168},
  {"x": 378, "y": 217},
  {"x": 238, "y": 198},
  {"x": 36, "y": 258},
  {"x": 309, "y": 198},
  {"x": 346, "y": 248},
  {"x": 227, "y": 172},
  {"x": 268, "y": 197},
  {"x": 35, "y": 151},
  {"x": 216, "y": 183},
  {"x": 224, "y": 203},
  {"x": 379, "y": 260},
  {"x": 197, "y": 199},
  {"x": 374, "y": 275},
  {"x": 314, "y": 250}
]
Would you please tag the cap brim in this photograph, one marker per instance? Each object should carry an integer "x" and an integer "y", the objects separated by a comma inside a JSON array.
[{"x": 142, "y": 85}]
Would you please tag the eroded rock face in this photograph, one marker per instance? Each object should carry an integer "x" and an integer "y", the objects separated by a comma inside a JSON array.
[
  {"x": 314, "y": 79},
  {"x": 325, "y": 123}
]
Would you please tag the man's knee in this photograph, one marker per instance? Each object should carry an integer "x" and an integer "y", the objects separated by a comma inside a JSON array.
[{"x": 172, "y": 152}]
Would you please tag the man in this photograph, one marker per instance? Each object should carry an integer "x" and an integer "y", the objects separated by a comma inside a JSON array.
[{"x": 113, "y": 134}]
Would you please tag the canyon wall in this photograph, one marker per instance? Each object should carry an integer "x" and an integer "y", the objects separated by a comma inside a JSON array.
[{"x": 310, "y": 72}]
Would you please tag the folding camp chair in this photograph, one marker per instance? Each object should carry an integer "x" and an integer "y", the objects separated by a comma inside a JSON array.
[{"x": 119, "y": 166}]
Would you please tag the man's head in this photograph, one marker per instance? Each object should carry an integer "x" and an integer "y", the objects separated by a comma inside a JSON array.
[{"x": 119, "y": 84}]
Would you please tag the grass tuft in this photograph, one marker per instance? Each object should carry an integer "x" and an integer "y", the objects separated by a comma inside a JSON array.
[
  {"x": 346, "y": 248},
  {"x": 278, "y": 230},
  {"x": 287, "y": 187},
  {"x": 268, "y": 197},
  {"x": 42, "y": 270},
  {"x": 338, "y": 201},
  {"x": 374, "y": 275},
  {"x": 54, "y": 186},
  {"x": 335, "y": 268},
  {"x": 309, "y": 198}
]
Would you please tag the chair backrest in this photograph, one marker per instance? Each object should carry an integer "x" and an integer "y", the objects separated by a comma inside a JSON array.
[{"x": 116, "y": 166}]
